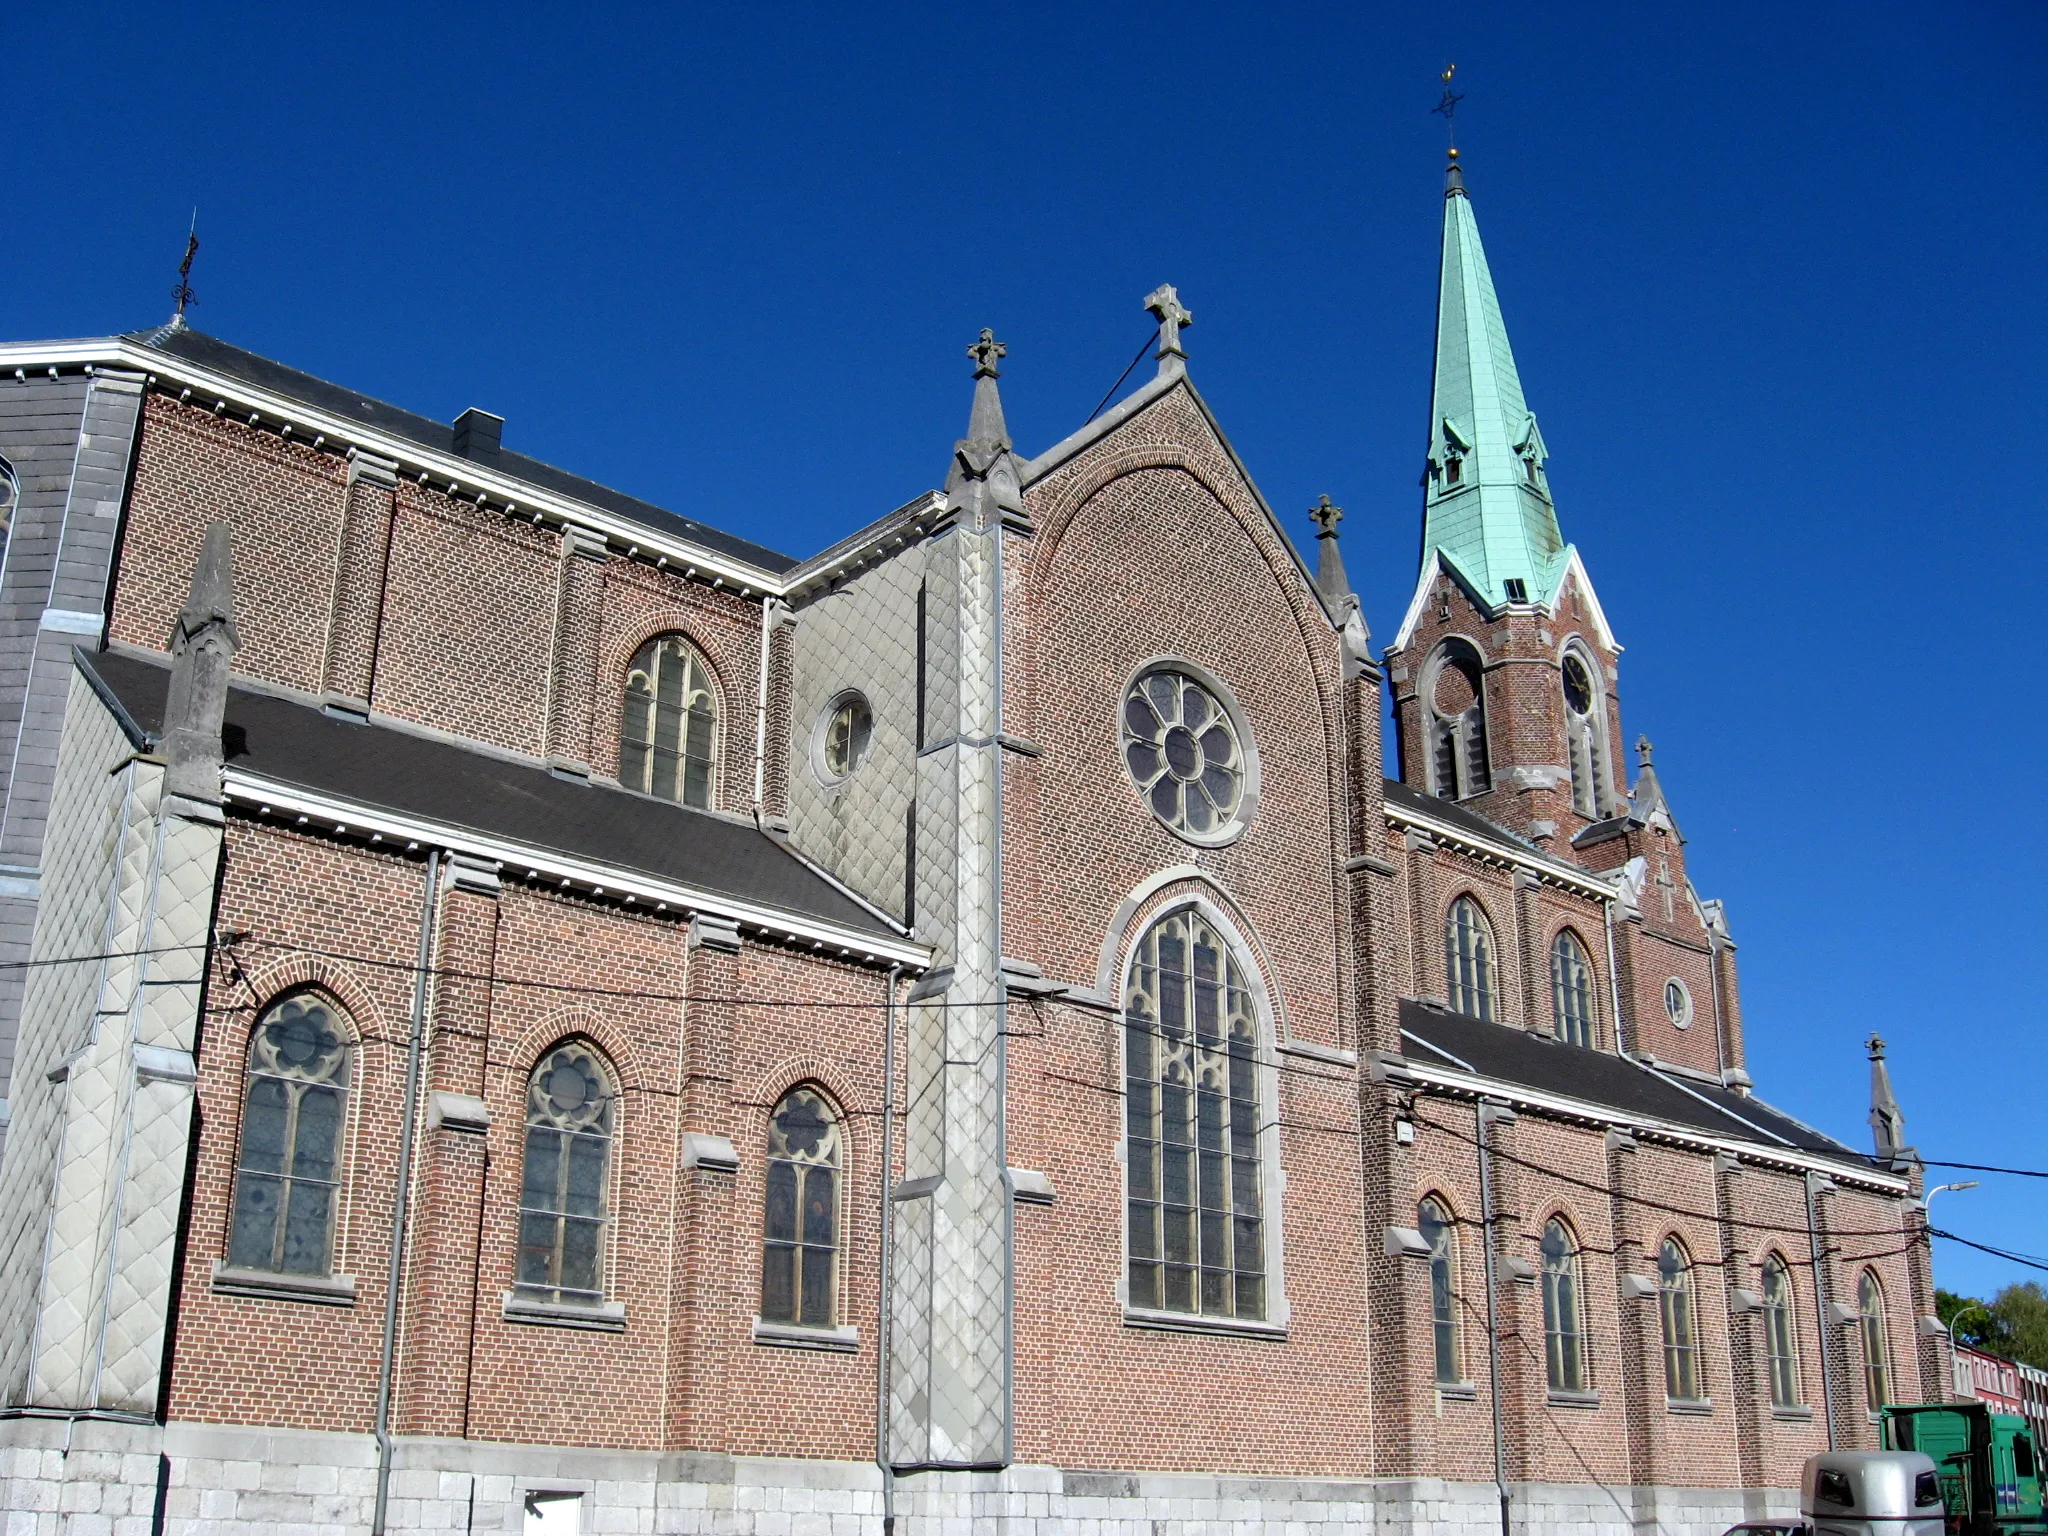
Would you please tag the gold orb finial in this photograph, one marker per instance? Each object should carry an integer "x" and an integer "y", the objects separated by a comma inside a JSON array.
[{"x": 1454, "y": 152}]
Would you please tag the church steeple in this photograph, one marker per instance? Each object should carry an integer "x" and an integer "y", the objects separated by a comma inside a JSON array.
[{"x": 1487, "y": 501}]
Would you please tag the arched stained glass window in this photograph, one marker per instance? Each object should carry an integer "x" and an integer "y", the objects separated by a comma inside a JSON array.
[
  {"x": 668, "y": 731},
  {"x": 287, "y": 1175},
  {"x": 562, "y": 1213},
  {"x": 1681, "y": 1333},
  {"x": 1780, "y": 1338},
  {"x": 1876, "y": 1341},
  {"x": 1571, "y": 990},
  {"x": 1468, "y": 959},
  {"x": 800, "y": 1249},
  {"x": 1196, "y": 1223},
  {"x": 1564, "y": 1310},
  {"x": 1434, "y": 1222}
]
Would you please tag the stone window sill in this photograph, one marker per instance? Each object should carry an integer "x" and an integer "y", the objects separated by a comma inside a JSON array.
[
  {"x": 1573, "y": 1399},
  {"x": 319, "y": 1290},
  {"x": 1195, "y": 1322},
  {"x": 596, "y": 1316},
  {"x": 1458, "y": 1391},
  {"x": 1697, "y": 1406},
  {"x": 838, "y": 1341},
  {"x": 1792, "y": 1413}
]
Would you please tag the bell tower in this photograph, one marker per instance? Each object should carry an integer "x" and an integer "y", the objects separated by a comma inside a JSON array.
[{"x": 1504, "y": 670}]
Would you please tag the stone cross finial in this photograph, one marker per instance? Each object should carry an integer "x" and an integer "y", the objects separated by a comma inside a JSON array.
[
  {"x": 1164, "y": 302},
  {"x": 1875, "y": 1044},
  {"x": 985, "y": 353},
  {"x": 1325, "y": 515},
  {"x": 1643, "y": 749}
]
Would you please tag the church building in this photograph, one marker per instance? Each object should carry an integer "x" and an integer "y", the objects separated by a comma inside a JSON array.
[{"x": 523, "y": 1011}]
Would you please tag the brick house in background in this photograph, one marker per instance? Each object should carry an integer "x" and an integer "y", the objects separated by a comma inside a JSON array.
[{"x": 530, "y": 1012}]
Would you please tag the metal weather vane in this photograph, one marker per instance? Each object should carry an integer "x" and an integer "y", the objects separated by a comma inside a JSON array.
[
  {"x": 1448, "y": 107},
  {"x": 183, "y": 292}
]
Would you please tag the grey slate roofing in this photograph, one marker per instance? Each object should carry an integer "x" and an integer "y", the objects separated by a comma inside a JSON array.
[
  {"x": 396, "y": 770},
  {"x": 224, "y": 357},
  {"x": 1508, "y": 1054}
]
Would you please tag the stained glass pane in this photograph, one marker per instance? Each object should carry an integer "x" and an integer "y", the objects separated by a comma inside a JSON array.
[
  {"x": 778, "y": 1283},
  {"x": 1183, "y": 752},
  {"x": 253, "y": 1234},
  {"x": 305, "y": 1229},
  {"x": 817, "y": 1287},
  {"x": 781, "y": 1213}
]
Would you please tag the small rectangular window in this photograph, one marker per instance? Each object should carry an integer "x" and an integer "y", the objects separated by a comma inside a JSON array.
[
  {"x": 1454, "y": 471},
  {"x": 1517, "y": 589}
]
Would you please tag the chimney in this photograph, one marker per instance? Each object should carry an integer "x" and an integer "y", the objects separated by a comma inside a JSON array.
[{"x": 477, "y": 435}]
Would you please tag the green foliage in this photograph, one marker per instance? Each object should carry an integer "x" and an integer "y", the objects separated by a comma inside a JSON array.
[{"x": 2014, "y": 1323}]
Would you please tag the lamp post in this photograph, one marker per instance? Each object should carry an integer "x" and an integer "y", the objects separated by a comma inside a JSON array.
[{"x": 1975, "y": 1306}]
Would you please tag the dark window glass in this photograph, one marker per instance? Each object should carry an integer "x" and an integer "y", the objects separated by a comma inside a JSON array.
[
  {"x": 1877, "y": 1356},
  {"x": 1468, "y": 959},
  {"x": 1780, "y": 1338},
  {"x": 1196, "y": 1233},
  {"x": 288, "y": 1174},
  {"x": 1675, "y": 1311},
  {"x": 668, "y": 730},
  {"x": 1564, "y": 1319},
  {"x": 1571, "y": 990},
  {"x": 562, "y": 1213},
  {"x": 800, "y": 1234},
  {"x": 1435, "y": 1225}
]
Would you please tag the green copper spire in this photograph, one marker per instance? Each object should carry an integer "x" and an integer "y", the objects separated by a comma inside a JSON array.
[{"x": 1487, "y": 499}]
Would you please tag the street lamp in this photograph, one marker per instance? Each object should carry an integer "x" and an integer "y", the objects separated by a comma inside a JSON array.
[{"x": 1959, "y": 1184}]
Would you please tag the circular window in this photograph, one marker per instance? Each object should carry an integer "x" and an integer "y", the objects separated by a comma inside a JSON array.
[
  {"x": 1678, "y": 1003},
  {"x": 1182, "y": 748},
  {"x": 844, "y": 735},
  {"x": 1578, "y": 687}
]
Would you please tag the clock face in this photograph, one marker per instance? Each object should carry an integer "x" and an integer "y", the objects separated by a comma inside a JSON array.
[{"x": 1578, "y": 687}]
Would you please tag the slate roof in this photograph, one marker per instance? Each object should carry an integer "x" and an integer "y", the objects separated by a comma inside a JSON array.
[
  {"x": 443, "y": 782},
  {"x": 224, "y": 357},
  {"x": 1511, "y": 1055}
]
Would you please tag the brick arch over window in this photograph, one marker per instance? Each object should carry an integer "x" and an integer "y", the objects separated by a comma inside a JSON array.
[
  {"x": 542, "y": 1036},
  {"x": 300, "y": 1070},
  {"x": 663, "y": 743},
  {"x": 1471, "y": 958},
  {"x": 1158, "y": 894},
  {"x": 568, "y": 1173},
  {"x": 1574, "y": 989},
  {"x": 805, "y": 1181}
]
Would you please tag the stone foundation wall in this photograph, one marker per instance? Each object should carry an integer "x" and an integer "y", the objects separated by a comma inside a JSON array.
[{"x": 105, "y": 1478}]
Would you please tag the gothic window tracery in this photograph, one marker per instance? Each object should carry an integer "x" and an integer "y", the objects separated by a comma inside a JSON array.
[
  {"x": 800, "y": 1242},
  {"x": 1468, "y": 959},
  {"x": 562, "y": 1206},
  {"x": 1585, "y": 728},
  {"x": 1780, "y": 1337},
  {"x": 1196, "y": 1228},
  {"x": 1182, "y": 749},
  {"x": 1875, "y": 1340},
  {"x": 668, "y": 730},
  {"x": 1676, "y": 1314},
  {"x": 287, "y": 1176},
  {"x": 1454, "y": 704},
  {"x": 1433, "y": 1220},
  {"x": 1564, "y": 1312},
  {"x": 1571, "y": 989}
]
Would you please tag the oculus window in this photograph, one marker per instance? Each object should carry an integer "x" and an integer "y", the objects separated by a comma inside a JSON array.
[
  {"x": 800, "y": 1246},
  {"x": 1182, "y": 747},
  {"x": 562, "y": 1212},
  {"x": 287, "y": 1175},
  {"x": 844, "y": 735},
  {"x": 668, "y": 730},
  {"x": 1195, "y": 1216},
  {"x": 1571, "y": 990},
  {"x": 1434, "y": 1222},
  {"x": 1678, "y": 1003},
  {"x": 1468, "y": 959},
  {"x": 1564, "y": 1310}
]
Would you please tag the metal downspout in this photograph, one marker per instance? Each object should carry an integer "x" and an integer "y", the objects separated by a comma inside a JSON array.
[
  {"x": 885, "y": 1287},
  {"x": 768, "y": 607},
  {"x": 429, "y": 902},
  {"x": 1720, "y": 1030},
  {"x": 1820, "y": 1311},
  {"x": 1613, "y": 977},
  {"x": 1488, "y": 1114}
]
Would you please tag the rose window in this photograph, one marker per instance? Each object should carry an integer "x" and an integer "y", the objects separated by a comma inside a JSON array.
[{"x": 1183, "y": 752}]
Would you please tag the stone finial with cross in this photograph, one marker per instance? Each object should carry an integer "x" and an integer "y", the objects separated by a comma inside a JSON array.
[
  {"x": 986, "y": 352},
  {"x": 1643, "y": 750},
  {"x": 1164, "y": 302},
  {"x": 1326, "y": 515}
]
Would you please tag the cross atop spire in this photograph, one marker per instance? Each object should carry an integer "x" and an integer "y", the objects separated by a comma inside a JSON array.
[
  {"x": 986, "y": 352},
  {"x": 1326, "y": 516},
  {"x": 1164, "y": 302},
  {"x": 1643, "y": 750}
]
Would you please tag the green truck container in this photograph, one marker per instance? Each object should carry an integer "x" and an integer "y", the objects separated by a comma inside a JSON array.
[{"x": 1989, "y": 1463}]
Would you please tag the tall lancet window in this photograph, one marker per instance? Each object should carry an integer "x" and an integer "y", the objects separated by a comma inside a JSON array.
[
  {"x": 1468, "y": 959},
  {"x": 800, "y": 1244},
  {"x": 668, "y": 731},
  {"x": 1454, "y": 704},
  {"x": 1585, "y": 729},
  {"x": 288, "y": 1175},
  {"x": 1196, "y": 1219},
  {"x": 562, "y": 1213}
]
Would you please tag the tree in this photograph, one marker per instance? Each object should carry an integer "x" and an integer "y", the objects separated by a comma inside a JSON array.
[{"x": 2014, "y": 1323}]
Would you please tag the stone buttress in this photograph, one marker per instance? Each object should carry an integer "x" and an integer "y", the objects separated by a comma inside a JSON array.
[
  {"x": 89, "y": 1214},
  {"x": 950, "y": 1347}
]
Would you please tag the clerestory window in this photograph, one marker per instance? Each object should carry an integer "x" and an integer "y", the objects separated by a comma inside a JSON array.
[
  {"x": 1196, "y": 1217},
  {"x": 1571, "y": 990},
  {"x": 668, "y": 730},
  {"x": 287, "y": 1176},
  {"x": 1468, "y": 959}
]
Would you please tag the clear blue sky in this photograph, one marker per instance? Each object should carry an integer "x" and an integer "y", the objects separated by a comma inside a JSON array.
[{"x": 1774, "y": 275}]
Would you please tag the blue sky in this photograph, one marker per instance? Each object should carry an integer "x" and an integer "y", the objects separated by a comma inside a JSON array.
[{"x": 1774, "y": 276}]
